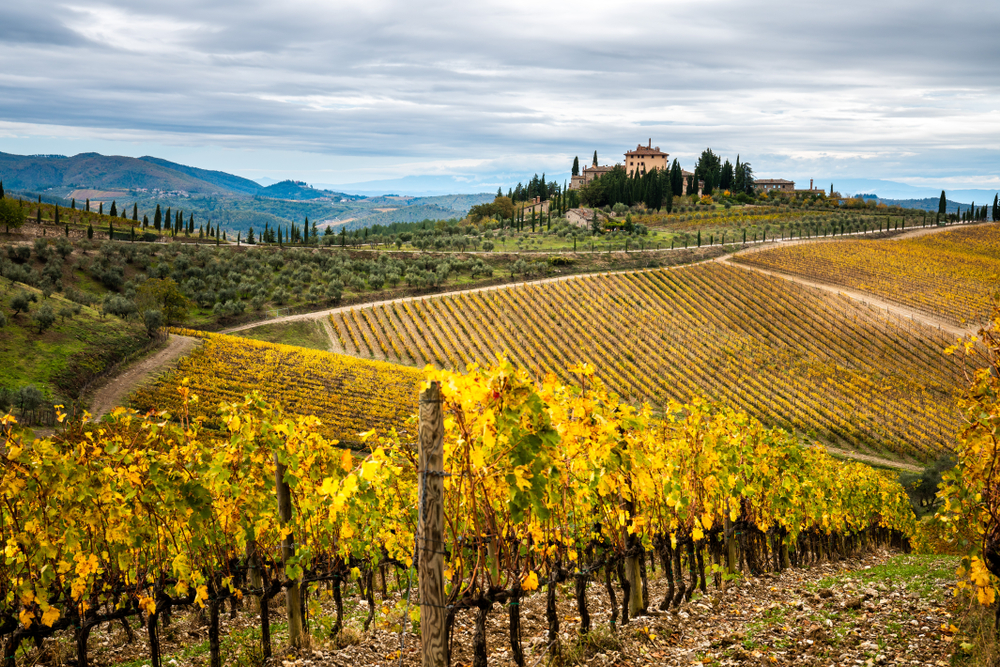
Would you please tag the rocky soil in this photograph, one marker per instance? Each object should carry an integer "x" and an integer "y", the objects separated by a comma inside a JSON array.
[{"x": 880, "y": 609}]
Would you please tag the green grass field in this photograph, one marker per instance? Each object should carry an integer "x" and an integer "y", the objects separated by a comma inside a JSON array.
[
  {"x": 62, "y": 359},
  {"x": 304, "y": 333}
]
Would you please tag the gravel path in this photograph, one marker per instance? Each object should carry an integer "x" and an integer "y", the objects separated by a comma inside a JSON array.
[{"x": 111, "y": 394}]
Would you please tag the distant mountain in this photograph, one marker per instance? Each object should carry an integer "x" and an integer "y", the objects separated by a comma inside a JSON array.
[
  {"x": 220, "y": 178},
  {"x": 300, "y": 191},
  {"x": 417, "y": 213},
  {"x": 886, "y": 190},
  {"x": 101, "y": 172},
  {"x": 927, "y": 204},
  {"x": 420, "y": 186}
]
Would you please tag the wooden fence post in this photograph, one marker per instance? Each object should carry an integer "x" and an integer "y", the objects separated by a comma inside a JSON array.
[
  {"x": 430, "y": 528},
  {"x": 292, "y": 596}
]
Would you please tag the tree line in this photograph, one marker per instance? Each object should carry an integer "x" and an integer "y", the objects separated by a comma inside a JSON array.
[{"x": 657, "y": 188}]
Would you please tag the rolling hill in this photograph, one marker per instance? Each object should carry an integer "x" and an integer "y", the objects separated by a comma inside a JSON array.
[
  {"x": 231, "y": 202},
  {"x": 106, "y": 172}
]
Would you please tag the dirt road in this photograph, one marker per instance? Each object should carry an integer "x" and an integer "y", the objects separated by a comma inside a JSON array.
[{"x": 112, "y": 393}]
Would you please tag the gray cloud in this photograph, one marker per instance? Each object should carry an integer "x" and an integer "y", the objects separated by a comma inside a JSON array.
[{"x": 907, "y": 87}]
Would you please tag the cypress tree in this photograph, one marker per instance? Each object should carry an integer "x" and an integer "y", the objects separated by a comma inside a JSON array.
[
  {"x": 88, "y": 206},
  {"x": 72, "y": 203},
  {"x": 996, "y": 207},
  {"x": 145, "y": 221},
  {"x": 38, "y": 215},
  {"x": 157, "y": 218},
  {"x": 90, "y": 231},
  {"x": 100, "y": 209},
  {"x": 1, "y": 189},
  {"x": 111, "y": 230},
  {"x": 576, "y": 166},
  {"x": 114, "y": 209},
  {"x": 595, "y": 158},
  {"x": 942, "y": 204},
  {"x": 55, "y": 219}
]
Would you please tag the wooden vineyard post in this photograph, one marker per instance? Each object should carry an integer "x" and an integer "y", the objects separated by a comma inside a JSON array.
[
  {"x": 730, "y": 547},
  {"x": 292, "y": 599},
  {"x": 430, "y": 528}
]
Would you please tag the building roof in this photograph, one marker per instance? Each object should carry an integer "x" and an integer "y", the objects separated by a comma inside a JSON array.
[
  {"x": 774, "y": 181},
  {"x": 602, "y": 168},
  {"x": 646, "y": 150}
]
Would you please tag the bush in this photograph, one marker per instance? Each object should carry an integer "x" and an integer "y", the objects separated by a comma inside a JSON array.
[
  {"x": 21, "y": 302},
  {"x": 28, "y": 398},
  {"x": 118, "y": 305},
  {"x": 64, "y": 247},
  {"x": 153, "y": 319},
  {"x": 19, "y": 253},
  {"x": 44, "y": 318}
]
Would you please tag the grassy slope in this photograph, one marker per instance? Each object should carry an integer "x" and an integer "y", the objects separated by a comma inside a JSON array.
[
  {"x": 304, "y": 333},
  {"x": 62, "y": 359}
]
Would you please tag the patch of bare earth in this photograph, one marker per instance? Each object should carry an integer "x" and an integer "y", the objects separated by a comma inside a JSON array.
[
  {"x": 111, "y": 394},
  {"x": 834, "y": 613}
]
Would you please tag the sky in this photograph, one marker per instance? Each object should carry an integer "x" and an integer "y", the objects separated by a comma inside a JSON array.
[{"x": 487, "y": 93}]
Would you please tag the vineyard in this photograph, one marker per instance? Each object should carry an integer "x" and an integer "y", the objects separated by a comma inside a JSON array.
[
  {"x": 542, "y": 483},
  {"x": 788, "y": 355},
  {"x": 953, "y": 273},
  {"x": 349, "y": 395}
]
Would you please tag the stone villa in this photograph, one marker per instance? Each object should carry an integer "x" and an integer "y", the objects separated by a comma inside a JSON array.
[{"x": 642, "y": 160}]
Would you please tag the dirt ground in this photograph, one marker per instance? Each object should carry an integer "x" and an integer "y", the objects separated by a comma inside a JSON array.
[
  {"x": 110, "y": 395},
  {"x": 881, "y": 609}
]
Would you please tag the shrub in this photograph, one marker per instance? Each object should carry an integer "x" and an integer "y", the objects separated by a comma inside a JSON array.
[
  {"x": 19, "y": 253},
  {"x": 44, "y": 318},
  {"x": 153, "y": 319},
  {"x": 21, "y": 302},
  {"x": 28, "y": 398},
  {"x": 118, "y": 305}
]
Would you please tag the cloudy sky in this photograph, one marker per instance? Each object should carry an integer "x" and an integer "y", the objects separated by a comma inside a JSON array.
[{"x": 334, "y": 92}]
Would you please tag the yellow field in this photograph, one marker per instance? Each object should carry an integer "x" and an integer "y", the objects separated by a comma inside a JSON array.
[
  {"x": 349, "y": 395},
  {"x": 789, "y": 355},
  {"x": 952, "y": 274}
]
